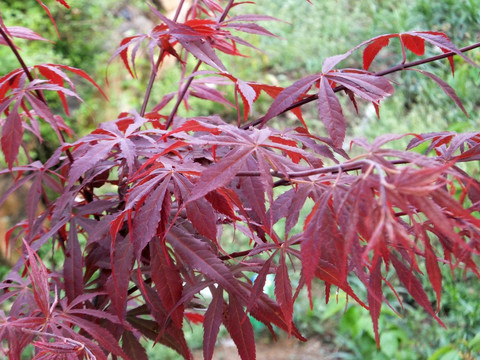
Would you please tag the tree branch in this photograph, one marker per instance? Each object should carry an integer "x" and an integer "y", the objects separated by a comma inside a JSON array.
[{"x": 391, "y": 70}]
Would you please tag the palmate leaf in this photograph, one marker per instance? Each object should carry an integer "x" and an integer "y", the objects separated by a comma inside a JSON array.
[
  {"x": 220, "y": 173},
  {"x": 201, "y": 257}
]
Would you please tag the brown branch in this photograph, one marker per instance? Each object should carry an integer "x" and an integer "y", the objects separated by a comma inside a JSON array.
[
  {"x": 181, "y": 96},
  {"x": 335, "y": 169},
  {"x": 391, "y": 70}
]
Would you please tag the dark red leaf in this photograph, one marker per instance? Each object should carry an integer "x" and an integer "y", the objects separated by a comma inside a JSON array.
[
  {"x": 375, "y": 295},
  {"x": 240, "y": 329},
  {"x": 104, "y": 338},
  {"x": 259, "y": 283},
  {"x": 283, "y": 291},
  {"x": 212, "y": 322},
  {"x": 290, "y": 95},
  {"x": 118, "y": 284},
  {"x": 167, "y": 280},
  {"x": 445, "y": 87},
  {"x": 330, "y": 113},
  {"x": 147, "y": 217},
  {"x": 12, "y": 136},
  {"x": 433, "y": 270},
  {"x": 201, "y": 257},
  {"x": 39, "y": 278},
  {"x": 132, "y": 347},
  {"x": 203, "y": 218},
  {"x": 413, "y": 286},
  {"x": 72, "y": 269},
  {"x": 220, "y": 173}
]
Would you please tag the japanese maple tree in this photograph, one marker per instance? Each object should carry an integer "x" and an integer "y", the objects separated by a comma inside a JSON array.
[{"x": 142, "y": 208}]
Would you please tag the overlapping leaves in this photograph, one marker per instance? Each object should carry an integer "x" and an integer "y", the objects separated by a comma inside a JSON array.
[{"x": 142, "y": 212}]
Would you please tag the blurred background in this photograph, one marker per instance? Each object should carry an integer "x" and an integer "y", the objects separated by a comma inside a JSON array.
[{"x": 91, "y": 31}]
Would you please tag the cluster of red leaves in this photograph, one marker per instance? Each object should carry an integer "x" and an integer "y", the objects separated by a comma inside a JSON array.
[{"x": 142, "y": 207}]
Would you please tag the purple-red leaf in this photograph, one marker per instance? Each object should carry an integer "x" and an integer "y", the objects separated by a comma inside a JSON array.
[
  {"x": 413, "y": 286},
  {"x": 167, "y": 280},
  {"x": 72, "y": 269},
  {"x": 118, "y": 284},
  {"x": 445, "y": 87},
  {"x": 330, "y": 112},
  {"x": 283, "y": 291},
  {"x": 220, "y": 173},
  {"x": 240, "y": 329},
  {"x": 375, "y": 295},
  {"x": 23, "y": 33},
  {"x": 200, "y": 256},
  {"x": 132, "y": 347},
  {"x": 147, "y": 217},
  {"x": 290, "y": 95},
  {"x": 12, "y": 136},
  {"x": 212, "y": 322}
]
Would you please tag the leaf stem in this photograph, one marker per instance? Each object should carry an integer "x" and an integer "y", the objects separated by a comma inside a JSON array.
[
  {"x": 153, "y": 75},
  {"x": 189, "y": 81},
  {"x": 335, "y": 169},
  {"x": 390, "y": 70}
]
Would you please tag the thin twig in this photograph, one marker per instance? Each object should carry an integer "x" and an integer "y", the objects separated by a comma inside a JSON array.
[
  {"x": 153, "y": 75},
  {"x": 189, "y": 81}
]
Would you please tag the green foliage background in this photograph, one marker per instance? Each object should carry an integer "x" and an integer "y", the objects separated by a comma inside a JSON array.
[{"x": 90, "y": 34}]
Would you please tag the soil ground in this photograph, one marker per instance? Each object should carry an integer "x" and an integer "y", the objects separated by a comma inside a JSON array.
[{"x": 283, "y": 349}]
